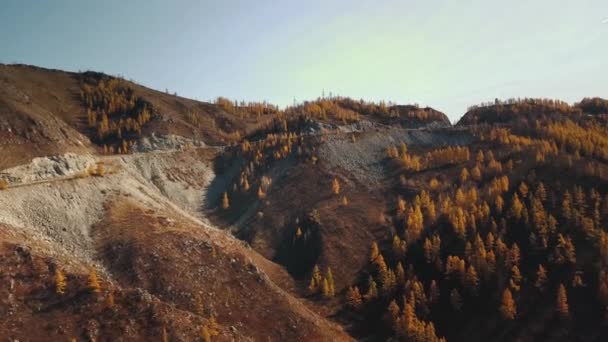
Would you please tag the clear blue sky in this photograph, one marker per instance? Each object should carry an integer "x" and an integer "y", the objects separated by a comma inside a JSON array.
[{"x": 446, "y": 54}]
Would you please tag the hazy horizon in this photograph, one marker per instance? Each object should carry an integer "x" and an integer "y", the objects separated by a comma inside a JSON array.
[{"x": 443, "y": 54}]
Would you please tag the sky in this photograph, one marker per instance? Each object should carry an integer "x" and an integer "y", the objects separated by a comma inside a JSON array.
[{"x": 444, "y": 54}]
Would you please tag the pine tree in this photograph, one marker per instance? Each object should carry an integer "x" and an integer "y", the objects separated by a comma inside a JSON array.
[
  {"x": 562, "y": 301},
  {"x": 60, "y": 282},
  {"x": 94, "y": 282},
  {"x": 225, "y": 201},
  {"x": 508, "y": 309}
]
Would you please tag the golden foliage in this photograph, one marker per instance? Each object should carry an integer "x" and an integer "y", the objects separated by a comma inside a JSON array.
[{"x": 60, "y": 282}]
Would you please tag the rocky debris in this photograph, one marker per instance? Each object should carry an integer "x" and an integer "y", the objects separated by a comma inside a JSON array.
[
  {"x": 44, "y": 168},
  {"x": 62, "y": 213},
  {"x": 364, "y": 157},
  {"x": 165, "y": 142}
]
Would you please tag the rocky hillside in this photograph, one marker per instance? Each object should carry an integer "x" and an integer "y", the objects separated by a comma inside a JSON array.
[{"x": 132, "y": 214}]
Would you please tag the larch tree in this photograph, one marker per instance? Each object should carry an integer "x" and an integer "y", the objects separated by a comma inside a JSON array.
[
  {"x": 401, "y": 205},
  {"x": 60, "y": 282},
  {"x": 471, "y": 280},
  {"x": 330, "y": 282},
  {"x": 325, "y": 289},
  {"x": 225, "y": 201},
  {"x": 375, "y": 252},
  {"x": 508, "y": 310},
  {"x": 205, "y": 334},
  {"x": 94, "y": 285},
  {"x": 353, "y": 297},
  {"x": 516, "y": 207},
  {"x": 344, "y": 201},
  {"x": 434, "y": 292},
  {"x": 541, "y": 278},
  {"x": 523, "y": 190},
  {"x": 335, "y": 186},
  {"x": 456, "y": 300},
  {"x": 393, "y": 312},
  {"x": 464, "y": 175},
  {"x": 515, "y": 281},
  {"x": 372, "y": 291},
  {"x": 562, "y": 301}
]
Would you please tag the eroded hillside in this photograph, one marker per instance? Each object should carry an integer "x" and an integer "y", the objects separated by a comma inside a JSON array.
[{"x": 133, "y": 214}]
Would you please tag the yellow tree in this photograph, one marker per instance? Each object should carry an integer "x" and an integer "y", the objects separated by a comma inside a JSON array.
[
  {"x": 516, "y": 207},
  {"x": 508, "y": 309},
  {"x": 205, "y": 334},
  {"x": 401, "y": 205},
  {"x": 471, "y": 280},
  {"x": 541, "y": 278},
  {"x": 94, "y": 282},
  {"x": 375, "y": 252},
  {"x": 60, "y": 282},
  {"x": 464, "y": 175},
  {"x": 335, "y": 186},
  {"x": 353, "y": 297},
  {"x": 225, "y": 201},
  {"x": 562, "y": 301},
  {"x": 456, "y": 300},
  {"x": 330, "y": 283},
  {"x": 372, "y": 291},
  {"x": 393, "y": 312}
]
